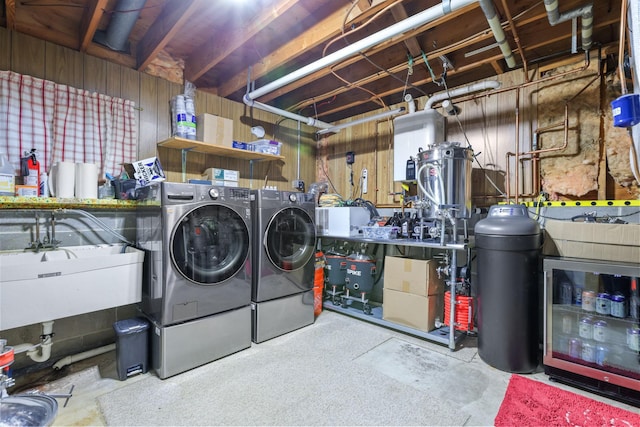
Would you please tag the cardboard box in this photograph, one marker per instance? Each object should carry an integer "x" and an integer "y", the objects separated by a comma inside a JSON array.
[
  {"x": 26, "y": 190},
  {"x": 416, "y": 311},
  {"x": 608, "y": 242},
  {"x": 215, "y": 174},
  {"x": 145, "y": 171},
  {"x": 214, "y": 130},
  {"x": 413, "y": 276}
]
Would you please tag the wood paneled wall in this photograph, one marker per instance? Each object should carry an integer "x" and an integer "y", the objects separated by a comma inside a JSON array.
[{"x": 30, "y": 56}]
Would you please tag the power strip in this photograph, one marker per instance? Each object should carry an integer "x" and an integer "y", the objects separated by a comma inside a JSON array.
[{"x": 364, "y": 181}]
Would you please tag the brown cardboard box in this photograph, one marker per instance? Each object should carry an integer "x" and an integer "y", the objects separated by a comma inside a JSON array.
[
  {"x": 214, "y": 130},
  {"x": 414, "y": 276},
  {"x": 416, "y": 311},
  {"x": 609, "y": 242}
]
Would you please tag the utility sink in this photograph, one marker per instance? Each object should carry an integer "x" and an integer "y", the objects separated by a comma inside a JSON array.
[{"x": 67, "y": 281}]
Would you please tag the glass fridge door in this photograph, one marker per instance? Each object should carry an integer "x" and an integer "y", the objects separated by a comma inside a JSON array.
[{"x": 592, "y": 321}]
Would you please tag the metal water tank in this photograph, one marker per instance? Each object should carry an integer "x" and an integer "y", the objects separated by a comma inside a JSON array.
[{"x": 508, "y": 245}]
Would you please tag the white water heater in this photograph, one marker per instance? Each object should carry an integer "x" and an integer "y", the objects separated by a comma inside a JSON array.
[{"x": 412, "y": 132}]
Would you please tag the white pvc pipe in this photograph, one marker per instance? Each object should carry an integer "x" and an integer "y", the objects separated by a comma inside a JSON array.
[
  {"x": 585, "y": 12},
  {"x": 408, "y": 24},
  {"x": 396, "y": 29},
  {"x": 362, "y": 120},
  {"x": 496, "y": 27},
  {"x": 411, "y": 105},
  {"x": 464, "y": 90},
  {"x": 38, "y": 352},
  {"x": 308, "y": 120},
  {"x": 82, "y": 356}
]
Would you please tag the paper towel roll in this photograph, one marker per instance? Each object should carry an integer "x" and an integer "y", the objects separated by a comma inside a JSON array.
[
  {"x": 86, "y": 181},
  {"x": 62, "y": 179}
]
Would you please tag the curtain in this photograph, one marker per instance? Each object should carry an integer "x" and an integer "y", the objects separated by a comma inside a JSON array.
[{"x": 65, "y": 123}]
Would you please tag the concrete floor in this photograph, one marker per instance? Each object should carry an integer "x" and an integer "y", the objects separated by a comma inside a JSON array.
[{"x": 338, "y": 371}]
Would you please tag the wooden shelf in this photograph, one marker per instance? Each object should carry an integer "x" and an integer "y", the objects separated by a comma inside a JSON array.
[{"x": 218, "y": 150}]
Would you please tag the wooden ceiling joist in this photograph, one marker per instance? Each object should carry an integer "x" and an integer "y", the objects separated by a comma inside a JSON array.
[
  {"x": 322, "y": 32},
  {"x": 173, "y": 18},
  {"x": 197, "y": 65},
  {"x": 90, "y": 21}
]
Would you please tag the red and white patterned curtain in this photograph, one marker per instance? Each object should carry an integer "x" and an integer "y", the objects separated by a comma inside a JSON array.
[{"x": 65, "y": 123}]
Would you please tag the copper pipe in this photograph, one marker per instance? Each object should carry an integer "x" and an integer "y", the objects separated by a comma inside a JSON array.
[
  {"x": 516, "y": 39},
  {"x": 517, "y": 154},
  {"x": 535, "y": 153}
]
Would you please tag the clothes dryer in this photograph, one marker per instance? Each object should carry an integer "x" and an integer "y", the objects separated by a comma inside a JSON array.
[
  {"x": 284, "y": 248},
  {"x": 197, "y": 276}
]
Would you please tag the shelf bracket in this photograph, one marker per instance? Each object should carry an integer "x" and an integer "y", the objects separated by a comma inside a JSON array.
[{"x": 184, "y": 163}]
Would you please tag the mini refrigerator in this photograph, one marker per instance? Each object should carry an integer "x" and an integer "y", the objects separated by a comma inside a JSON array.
[{"x": 592, "y": 326}]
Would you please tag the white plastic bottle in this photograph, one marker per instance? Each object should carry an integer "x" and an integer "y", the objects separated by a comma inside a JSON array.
[
  {"x": 191, "y": 117},
  {"x": 7, "y": 177}
]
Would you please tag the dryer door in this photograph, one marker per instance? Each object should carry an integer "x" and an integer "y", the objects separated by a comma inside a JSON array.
[
  {"x": 290, "y": 239},
  {"x": 210, "y": 244}
]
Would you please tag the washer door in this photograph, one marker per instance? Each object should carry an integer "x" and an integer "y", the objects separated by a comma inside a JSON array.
[
  {"x": 290, "y": 239},
  {"x": 210, "y": 244}
]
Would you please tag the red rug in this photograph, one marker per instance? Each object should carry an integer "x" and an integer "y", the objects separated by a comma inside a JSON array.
[{"x": 532, "y": 403}]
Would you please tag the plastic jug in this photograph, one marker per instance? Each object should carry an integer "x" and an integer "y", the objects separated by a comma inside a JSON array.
[{"x": 7, "y": 177}]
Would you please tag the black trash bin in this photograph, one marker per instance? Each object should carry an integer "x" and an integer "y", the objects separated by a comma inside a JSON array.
[
  {"x": 132, "y": 347},
  {"x": 508, "y": 245}
]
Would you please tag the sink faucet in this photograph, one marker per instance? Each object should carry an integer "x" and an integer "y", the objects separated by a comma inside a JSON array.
[
  {"x": 54, "y": 243},
  {"x": 46, "y": 242},
  {"x": 36, "y": 244}
]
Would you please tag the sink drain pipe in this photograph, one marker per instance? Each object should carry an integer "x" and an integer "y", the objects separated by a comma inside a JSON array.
[
  {"x": 39, "y": 352},
  {"x": 68, "y": 360}
]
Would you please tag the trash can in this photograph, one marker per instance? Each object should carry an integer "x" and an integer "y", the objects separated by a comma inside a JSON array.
[
  {"x": 508, "y": 245},
  {"x": 132, "y": 347}
]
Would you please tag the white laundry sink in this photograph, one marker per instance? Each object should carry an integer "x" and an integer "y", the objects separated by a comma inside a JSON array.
[{"x": 52, "y": 284}]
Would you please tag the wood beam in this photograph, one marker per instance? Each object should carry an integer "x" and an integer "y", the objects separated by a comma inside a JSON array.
[
  {"x": 399, "y": 14},
  {"x": 197, "y": 65},
  {"x": 322, "y": 32},
  {"x": 174, "y": 17},
  {"x": 10, "y": 8},
  {"x": 90, "y": 20}
]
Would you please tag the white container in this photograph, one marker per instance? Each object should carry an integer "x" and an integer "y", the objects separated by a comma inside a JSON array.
[
  {"x": 7, "y": 177},
  {"x": 341, "y": 221}
]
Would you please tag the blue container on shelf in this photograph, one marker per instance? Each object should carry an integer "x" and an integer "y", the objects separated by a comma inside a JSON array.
[{"x": 626, "y": 110}]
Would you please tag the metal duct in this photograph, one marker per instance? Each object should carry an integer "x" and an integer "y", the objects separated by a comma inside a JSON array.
[
  {"x": 398, "y": 28},
  {"x": 123, "y": 18},
  {"x": 585, "y": 12}
]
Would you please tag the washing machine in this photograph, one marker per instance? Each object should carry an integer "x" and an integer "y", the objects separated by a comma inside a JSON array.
[
  {"x": 197, "y": 273},
  {"x": 284, "y": 247}
]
